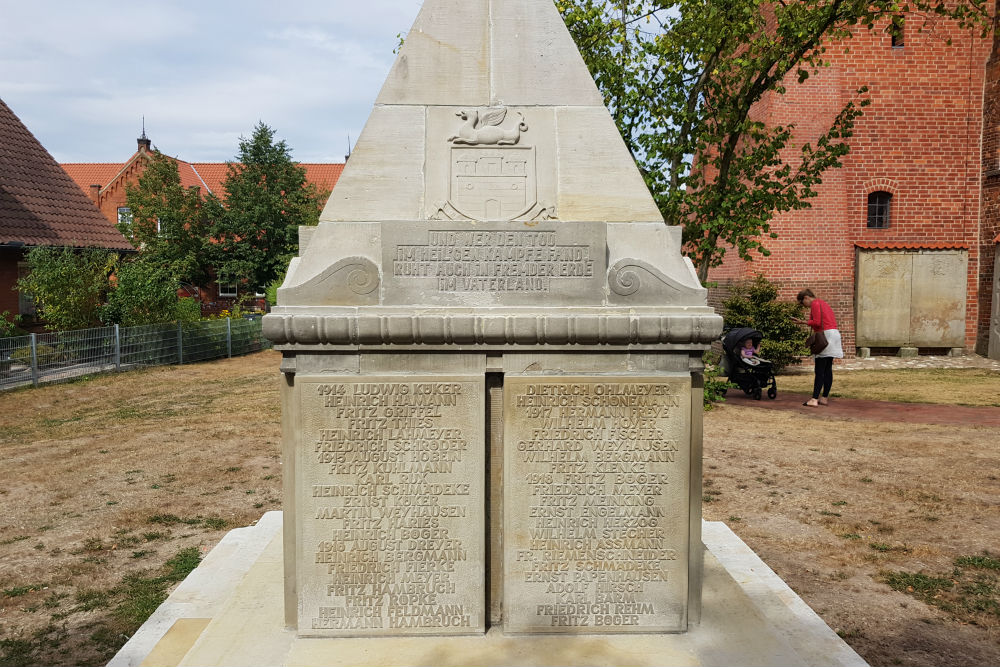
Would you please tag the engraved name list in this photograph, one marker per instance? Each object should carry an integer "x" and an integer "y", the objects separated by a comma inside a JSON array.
[
  {"x": 598, "y": 541},
  {"x": 391, "y": 482}
]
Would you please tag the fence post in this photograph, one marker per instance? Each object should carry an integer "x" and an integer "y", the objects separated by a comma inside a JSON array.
[
  {"x": 34, "y": 359},
  {"x": 229, "y": 338},
  {"x": 118, "y": 349},
  {"x": 180, "y": 344}
]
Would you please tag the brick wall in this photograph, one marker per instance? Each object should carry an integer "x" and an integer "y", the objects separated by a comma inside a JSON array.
[
  {"x": 990, "y": 203},
  {"x": 920, "y": 140},
  {"x": 8, "y": 277}
]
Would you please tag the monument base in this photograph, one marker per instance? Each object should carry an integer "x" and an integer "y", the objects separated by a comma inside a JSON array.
[{"x": 229, "y": 611}]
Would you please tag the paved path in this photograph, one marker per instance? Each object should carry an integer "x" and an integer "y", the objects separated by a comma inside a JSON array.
[{"x": 884, "y": 411}]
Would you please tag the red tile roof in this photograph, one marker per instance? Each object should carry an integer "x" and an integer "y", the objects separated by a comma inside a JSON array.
[
  {"x": 39, "y": 202},
  {"x": 86, "y": 174},
  {"x": 893, "y": 245},
  {"x": 206, "y": 175}
]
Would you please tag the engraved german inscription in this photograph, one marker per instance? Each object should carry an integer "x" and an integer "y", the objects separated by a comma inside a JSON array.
[
  {"x": 492, "y": 261},
  {"x": 391, "y": 497},
  {"x": 511, "y": 263},
  {"x": 596, "y": 504}
]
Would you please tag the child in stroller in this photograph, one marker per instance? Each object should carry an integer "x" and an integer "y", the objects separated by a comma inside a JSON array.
[{"x": 747, "y": 371}]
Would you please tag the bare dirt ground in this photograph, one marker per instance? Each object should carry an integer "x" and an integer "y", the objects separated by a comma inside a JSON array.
[{"x": 108, "y": 484}]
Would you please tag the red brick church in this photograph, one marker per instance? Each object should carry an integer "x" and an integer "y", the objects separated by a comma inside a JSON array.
[{"x": 902, "y": 240}]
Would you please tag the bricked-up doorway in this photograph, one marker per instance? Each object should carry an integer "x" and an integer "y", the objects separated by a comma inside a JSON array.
[{"x": 911, "y": 298}]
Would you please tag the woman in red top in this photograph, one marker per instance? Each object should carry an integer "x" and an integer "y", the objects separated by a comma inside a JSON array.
[{"x": 821, "y": 319}]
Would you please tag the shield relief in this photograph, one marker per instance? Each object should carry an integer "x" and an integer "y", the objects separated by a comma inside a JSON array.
[{"x": 493, "y": 183}]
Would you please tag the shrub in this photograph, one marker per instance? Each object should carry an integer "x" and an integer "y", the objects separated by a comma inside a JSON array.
[
  {"x": 755, "y": 304},
  {"x": 68, "y": 285},
  {"x": 8, "y": 325},
  {"x": 715, "y": 387},
  {"x": 144, "y": 294}
]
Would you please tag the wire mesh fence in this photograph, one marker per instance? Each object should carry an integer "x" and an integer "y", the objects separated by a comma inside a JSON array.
[{"x": 61, "y": 355}]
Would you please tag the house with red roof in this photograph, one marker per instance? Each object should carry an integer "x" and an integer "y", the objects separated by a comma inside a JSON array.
[
  {"x": 105, "y": 184},
  {"x": 40, "y": 205}
]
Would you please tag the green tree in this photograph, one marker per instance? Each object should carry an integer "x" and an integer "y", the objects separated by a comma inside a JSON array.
[
  {"x": 267, "y": 198},
  {"x": 680, "y": 78},
  {"x": 169, "y": 224},
  {"x": 755, "y": 304},
  {"x": 68, "y": 284},
  {"x": 144, "y": 293}
]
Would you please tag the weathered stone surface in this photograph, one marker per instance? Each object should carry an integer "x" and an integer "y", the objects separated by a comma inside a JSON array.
[
  {"x": 445, "y": 57},
  {"x": 937, "y": 309},
  {"x": 641, "y": 274},
  {"x": 390, "y": 497},
  {"x": 384, "y": 179},
  {"x": 911, "y": 298},
  {"x": 488, "y": 264},
  {"x": 535, "y": 59},
  {"x": 559, "y": 327},
  {"x": 598, "y": 179},
  {"x": 523, "y": 173},
  {"x": 883, "y": 299},
  {"x": 491, "y": 233},
  {"x": 596, "y": 492}
]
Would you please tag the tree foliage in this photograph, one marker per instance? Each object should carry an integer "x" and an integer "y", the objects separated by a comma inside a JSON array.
[
  {"x": 68, "y": 284},
  {"x": 267, "y": 198},
  {"x": 755, "y": 304},
  {"x": 169, "y": 224},
  {"x": 144, "y": 293},
  {"x": 681, "y": 78}
]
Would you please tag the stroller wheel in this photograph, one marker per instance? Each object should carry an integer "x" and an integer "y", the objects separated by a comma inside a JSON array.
[
  {"x": 756, "y": 394},
  {"x": 772, "y": 393}
]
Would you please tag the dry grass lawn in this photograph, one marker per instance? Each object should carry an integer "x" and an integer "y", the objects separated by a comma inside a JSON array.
[
  {"x": 112, "y": 486},
  {"x": 957, "y": 386}
]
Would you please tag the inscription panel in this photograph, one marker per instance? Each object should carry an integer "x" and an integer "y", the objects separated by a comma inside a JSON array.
[
  {"x": 448, "y": 263},
  {"x": 390, "y": 506},
  {"x": 596, "y": 504}
]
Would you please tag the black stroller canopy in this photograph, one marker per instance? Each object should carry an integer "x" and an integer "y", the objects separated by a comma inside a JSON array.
[{"x": 733, "y": 340}]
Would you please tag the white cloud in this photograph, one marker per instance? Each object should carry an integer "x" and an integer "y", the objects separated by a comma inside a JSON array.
[{"x": 81, "y": 75}]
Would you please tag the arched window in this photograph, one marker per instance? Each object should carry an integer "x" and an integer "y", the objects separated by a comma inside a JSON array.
[{"x": 879, "y": 204}]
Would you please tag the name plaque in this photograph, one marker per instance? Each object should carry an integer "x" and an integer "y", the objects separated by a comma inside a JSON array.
[
  {"x": 449, "y": 263},
  {"x": 596, "y": 501},
  {"x": 390, "y": 506}
]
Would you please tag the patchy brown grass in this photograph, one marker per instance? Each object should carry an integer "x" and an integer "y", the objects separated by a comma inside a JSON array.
[
  {"x": 950, "y": 386},
  {"x": 104, "y": 480},
  {"x": 835, "y": 506},
  {"x": 108, "y": 483}
]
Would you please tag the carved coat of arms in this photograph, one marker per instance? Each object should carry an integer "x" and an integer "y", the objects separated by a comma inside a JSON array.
[{"x": 492, "y": 177}]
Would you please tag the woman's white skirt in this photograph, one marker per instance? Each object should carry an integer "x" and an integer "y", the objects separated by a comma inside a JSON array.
[{"x": 834, "y": 347}]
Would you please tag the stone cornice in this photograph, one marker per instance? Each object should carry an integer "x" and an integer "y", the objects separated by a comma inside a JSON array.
[{"x": 436, "y": 327}]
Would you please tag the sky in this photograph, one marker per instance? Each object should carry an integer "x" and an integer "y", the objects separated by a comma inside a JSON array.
[{"x": 82, "y": 75}]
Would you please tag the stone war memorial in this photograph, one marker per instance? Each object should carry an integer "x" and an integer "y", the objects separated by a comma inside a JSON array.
[
  {"x": 491, "y": 386},
  {"x": 492, "y": 358}
]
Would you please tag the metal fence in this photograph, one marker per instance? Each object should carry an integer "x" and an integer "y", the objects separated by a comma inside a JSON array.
[{"x": 47, "y": 357}]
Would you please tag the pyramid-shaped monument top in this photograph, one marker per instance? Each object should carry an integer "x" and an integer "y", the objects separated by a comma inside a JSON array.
[{"x": 489, "y": 113}]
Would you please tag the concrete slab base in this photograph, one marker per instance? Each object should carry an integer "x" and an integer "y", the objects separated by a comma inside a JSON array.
[
  {"x": 229, "y": 612},
  {"x": 908, "y": 351}
]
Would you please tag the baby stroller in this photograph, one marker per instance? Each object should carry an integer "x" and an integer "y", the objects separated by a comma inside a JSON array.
[{"x": 750, "y": 375}]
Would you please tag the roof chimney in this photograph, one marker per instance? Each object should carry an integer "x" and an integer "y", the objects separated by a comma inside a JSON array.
[
  {"x": 143, "y": 140},
  {"x": 95, "y": 193}
]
